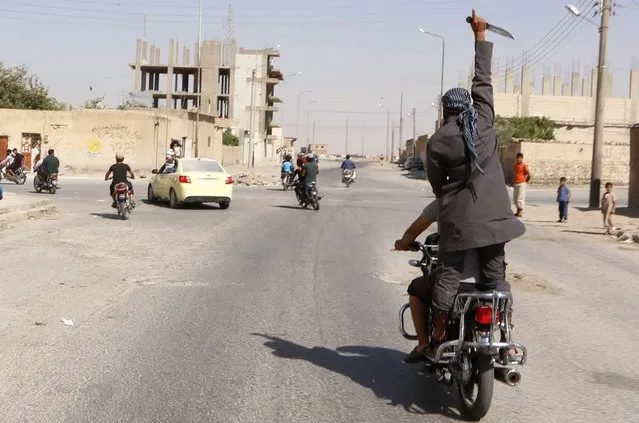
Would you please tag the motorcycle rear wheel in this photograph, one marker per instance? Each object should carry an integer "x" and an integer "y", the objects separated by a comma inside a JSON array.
[
  {"x": 483, "y": 376},
  {"x": 123, "y": 210}
]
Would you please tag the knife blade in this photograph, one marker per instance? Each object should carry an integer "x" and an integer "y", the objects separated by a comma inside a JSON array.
[{"x": 495, "y": 29}]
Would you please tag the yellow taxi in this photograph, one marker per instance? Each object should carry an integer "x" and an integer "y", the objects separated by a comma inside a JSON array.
[{"x": 194, "y": 181}]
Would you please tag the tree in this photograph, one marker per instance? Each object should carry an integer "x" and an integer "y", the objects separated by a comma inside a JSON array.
[
  {"x": 229, "y": 139},
  {"x": 94, "y": 103},
  {"x": 534, "y": 128},
  {"x": 21, "y": 90}
]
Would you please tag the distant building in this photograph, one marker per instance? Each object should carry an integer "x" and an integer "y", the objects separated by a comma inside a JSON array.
[{"x": 318, "y": 149}]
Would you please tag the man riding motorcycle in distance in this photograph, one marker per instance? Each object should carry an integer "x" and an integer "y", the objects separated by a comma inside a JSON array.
[
  {"x": 310, "y": 172},
  {"x": 120, "y": 172},
  {"x": 420, "y": 289},
  {"x": 348, "y": 164},
  {"x": 7, "y": 160},
  {"x": 467, "y": 178},
  {"x": 47, "y": 165},
  {"x": 18, "y": 160},
  {"x": 287, "y": 166}
]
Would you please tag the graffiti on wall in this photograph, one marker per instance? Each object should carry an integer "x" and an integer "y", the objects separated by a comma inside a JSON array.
[
  {"x": 94, "y": 148},
  {"x": 121, "y": 138}
]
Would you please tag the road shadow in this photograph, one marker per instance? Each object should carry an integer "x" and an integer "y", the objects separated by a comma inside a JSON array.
[
  {"x": 290, "y": 207},
  {"x": 185, "y": 206},
  {"x": 378, "y": 369},
  {"x": 628, "y": 212},
  {"x": 415, "y": 174},
  {"x": 112, "y": 216},
  {"x": 584, "y": 232}
]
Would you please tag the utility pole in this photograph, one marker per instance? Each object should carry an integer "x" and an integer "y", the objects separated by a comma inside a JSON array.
[
  {"x": 414, "y": 133},
  {"x": 597, "y": 142},
  {"x": 313, "y": 132},
  {"x": 346, "y": 136},
  {"x": 401, "y": 119},
  {"x": 392, "y": 142},
  {"x": 199, "y": 79},
  {"x": 363, "y": 146},
  {"x": 308, "y": 115},
  {"x": 251, "y": 158}
]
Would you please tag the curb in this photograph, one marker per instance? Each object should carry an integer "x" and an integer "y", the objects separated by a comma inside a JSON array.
[{"x": 15, "y": 214}]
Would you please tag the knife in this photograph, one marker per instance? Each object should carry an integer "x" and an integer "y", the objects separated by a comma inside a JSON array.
[{"x": 495, "y": 29}]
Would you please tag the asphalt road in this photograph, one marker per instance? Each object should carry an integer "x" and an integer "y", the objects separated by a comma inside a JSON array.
[{"x": 269, "y": 313}]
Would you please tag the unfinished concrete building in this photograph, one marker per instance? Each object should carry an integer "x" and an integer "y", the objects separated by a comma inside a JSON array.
[{"x": 174, "y": 83}]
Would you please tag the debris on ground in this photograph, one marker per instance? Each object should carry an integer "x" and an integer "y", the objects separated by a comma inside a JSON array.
[
  {"x": 252, "y": 179},
  {"x": 67, "y": 322}
]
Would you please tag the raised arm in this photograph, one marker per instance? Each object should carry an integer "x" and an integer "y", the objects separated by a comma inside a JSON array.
[{"x": 482, "y": 88}]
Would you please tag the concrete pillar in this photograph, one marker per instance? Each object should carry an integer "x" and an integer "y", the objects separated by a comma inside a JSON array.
[
  {"x": 546, "y": 88},
  {"x": 169, "y": 74},
  {"x": 634, "y": 84},
  {"x": 633, "y": 185},
  {"x": 196, "y": 54},
  {"x": 145, "y": 52},
  {"x": 177, "y": 53},
  {"x": 142, "y": 82},
  {"x": 157, "y": 56},
  {"x": 585, "y": 87},
  {"x": 138, "y": 50},
  {"x": 156, "y": 83},
  {"x": 186, "y": 59},
  {"x": 557, "y": 86},
  {"x": 152, "y": 55},
  {"x": 575, "y": 84},
  {"x": 565, "y": 90},
  {"x": 608, "y": 84},
  {"x": 510, "y": 81}
]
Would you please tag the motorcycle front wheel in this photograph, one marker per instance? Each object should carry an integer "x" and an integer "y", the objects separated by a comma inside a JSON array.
[
  {"x": 22, "y": 179},
  {"x": 482, "y": 381},
  {"x": 36, "y": 185}
]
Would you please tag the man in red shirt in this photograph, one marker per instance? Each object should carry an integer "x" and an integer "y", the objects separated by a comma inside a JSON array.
[{"x": 521, "y": 178}]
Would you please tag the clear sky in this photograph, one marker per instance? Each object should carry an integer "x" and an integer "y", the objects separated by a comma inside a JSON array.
[{"x": 350, "y": 53}]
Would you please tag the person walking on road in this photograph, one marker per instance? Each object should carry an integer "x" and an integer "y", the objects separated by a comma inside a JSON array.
[
  {"x": 521, "y": 178},
  {"x": 608, "y": 206},
  {"x": 563, "y": 198}
]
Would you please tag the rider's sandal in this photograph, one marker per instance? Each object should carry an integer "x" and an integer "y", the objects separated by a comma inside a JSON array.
[{"x": 416, "y": 355}]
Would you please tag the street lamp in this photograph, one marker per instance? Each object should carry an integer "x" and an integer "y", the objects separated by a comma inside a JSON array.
[
  {"x": 293, "y": 74},
  {"x": 440, "y": 116},
  {"x": 573, "y": 10},
  {"x": 387, "y": 125},
  {"x": 308, "y": 116},
  {"x": 597, "y": 140},
  {"x": 297, "y": 122},
  {"x": 199, "y": 80}
]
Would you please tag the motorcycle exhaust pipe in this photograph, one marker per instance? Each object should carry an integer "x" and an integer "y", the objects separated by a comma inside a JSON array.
[{"x": 510, "y": 377}]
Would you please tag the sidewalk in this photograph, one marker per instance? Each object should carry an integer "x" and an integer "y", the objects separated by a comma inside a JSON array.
[{"x": 15, "y": 207}]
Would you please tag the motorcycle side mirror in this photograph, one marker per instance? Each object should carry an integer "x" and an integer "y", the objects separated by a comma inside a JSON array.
[{"x": 154, "y": 171}]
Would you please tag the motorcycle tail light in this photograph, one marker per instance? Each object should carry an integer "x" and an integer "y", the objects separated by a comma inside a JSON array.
[
  {"x": 484, "y": 315},
  {"x": 185, "y": 179}
]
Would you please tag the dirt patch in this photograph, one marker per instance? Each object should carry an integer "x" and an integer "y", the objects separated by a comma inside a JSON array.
[{"x": 531, "y": 283}]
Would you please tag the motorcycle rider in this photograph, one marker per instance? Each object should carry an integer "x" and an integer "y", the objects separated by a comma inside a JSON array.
[
  {"x": 120, "y": 172},
  {"x": 287, "y": 167},
  {"x": 16, "y": 163},
  {"x": 467, "y": 178},
  {"x": 7, "y": 160},
  {"x": 310, "y": 172},
  {"x": 420, "y": 289},
  {"x": 349, "y": 164},
  {"x": 48, "y": 165}
]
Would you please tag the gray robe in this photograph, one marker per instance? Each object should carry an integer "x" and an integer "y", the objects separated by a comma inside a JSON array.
[{"x": 474, "y": 208}]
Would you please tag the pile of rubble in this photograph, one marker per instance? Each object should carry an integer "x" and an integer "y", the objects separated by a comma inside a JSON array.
[{"x": 256, "y": 180}]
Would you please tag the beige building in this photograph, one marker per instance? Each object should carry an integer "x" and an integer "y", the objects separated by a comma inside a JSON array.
[
  {"x": 87, "y": 140},
  {"x": 318, "y": 149}
]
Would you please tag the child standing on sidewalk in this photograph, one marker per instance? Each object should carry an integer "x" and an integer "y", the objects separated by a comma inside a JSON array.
[
  {"x": 608, "y": 206},
  {"x": 563, "y": 198}
]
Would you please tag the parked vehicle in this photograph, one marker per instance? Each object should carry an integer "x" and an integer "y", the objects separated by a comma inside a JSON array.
[
  {"x": 347, "y": 177},
  {"x": 20, "y": 178},
  {"x": 48, "y": 183},
  {"x": 287, "y": 180},
  {"x": 470, "y": 355},
  {"x": 414, "y": 163},
  {"x": 123, "y": 200},
  {"x": 194, "y": 181},
  {"x": 307, "y": 196}
]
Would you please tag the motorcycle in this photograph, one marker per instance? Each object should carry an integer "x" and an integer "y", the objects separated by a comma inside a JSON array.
[
  {"x": 307, "y": 196},
  {"x": 470, "y": 354},
  {"x": 348, "y": 177},
  {"x": 287, "y": 180},
  {"x": 20, "y": 176},
  {"x": 123, "y": 200},
  {"x": 49, "y": 184}
]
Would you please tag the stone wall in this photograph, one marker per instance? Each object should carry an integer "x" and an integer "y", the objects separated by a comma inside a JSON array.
[
  {"x": 87, "y": 140},
  {"x": 549, "y": 161},
  {"x": 232, "y": 155},
  {"x": 633, "y": 186}
]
